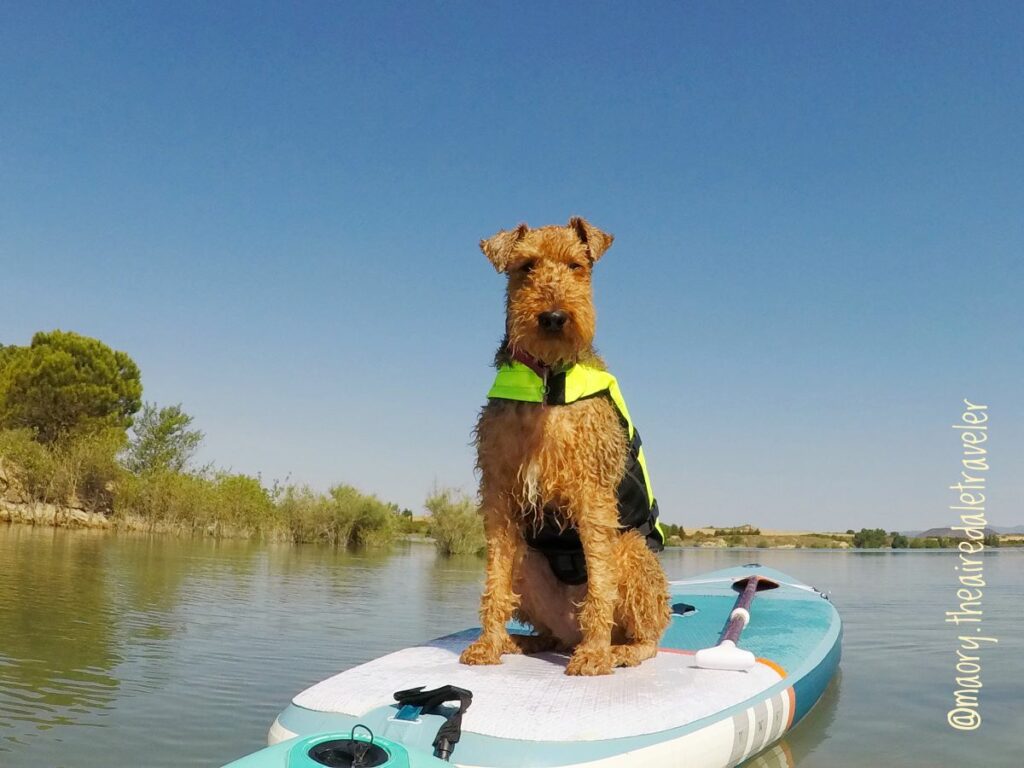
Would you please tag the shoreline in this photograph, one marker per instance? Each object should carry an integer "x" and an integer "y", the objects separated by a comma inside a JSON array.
[{"x": 42, "y": 514}]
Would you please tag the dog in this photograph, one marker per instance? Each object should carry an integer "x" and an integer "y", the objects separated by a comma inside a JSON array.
[{"x": 569, "y": 516}]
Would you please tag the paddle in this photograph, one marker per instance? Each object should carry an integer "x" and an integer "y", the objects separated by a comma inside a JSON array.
[{"x": 726, "y": 655}]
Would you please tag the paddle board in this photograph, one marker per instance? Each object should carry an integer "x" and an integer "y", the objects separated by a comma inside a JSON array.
[{"x": 526, "y": 712}]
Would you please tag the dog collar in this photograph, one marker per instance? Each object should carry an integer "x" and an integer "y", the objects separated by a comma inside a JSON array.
[{"x": 532, "y": 363}]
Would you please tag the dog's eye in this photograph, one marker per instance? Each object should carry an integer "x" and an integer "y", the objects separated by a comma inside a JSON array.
[
  {"x": 527, "y": 267},
  {"x": 575, "y": 265}
]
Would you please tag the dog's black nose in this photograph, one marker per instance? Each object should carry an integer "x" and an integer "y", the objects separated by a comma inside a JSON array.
[{"x": 552, "y": 321}]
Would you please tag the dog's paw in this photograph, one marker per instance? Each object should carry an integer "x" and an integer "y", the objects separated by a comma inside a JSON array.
[
  {"x": 590, "y": 661},
  {"x": 481, "y": 652},
  {"x": 632, "y": 655},
  {"x": 529, "y": 644},
  {"x": 625, "y": 659}
]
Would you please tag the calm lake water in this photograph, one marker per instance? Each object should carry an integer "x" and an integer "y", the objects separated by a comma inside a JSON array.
[{"x": 130, "y": 651}]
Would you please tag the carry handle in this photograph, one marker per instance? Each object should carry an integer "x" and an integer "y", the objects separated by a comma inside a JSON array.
[
  {"x": 432, "y": 699},
  {"x": 450, "y": 732}
]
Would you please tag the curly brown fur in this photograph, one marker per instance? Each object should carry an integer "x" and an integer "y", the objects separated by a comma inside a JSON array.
[{"x": 566, "y": 460}]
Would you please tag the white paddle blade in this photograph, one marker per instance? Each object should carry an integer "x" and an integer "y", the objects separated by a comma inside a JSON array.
[{"x": 726, "y": 655}]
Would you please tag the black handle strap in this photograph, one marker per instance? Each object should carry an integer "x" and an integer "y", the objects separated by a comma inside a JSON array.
[{"x": 450, "y": 732}]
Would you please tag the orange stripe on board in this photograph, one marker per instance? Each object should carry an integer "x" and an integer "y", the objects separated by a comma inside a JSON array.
[
  {"x": 677, "y": 650},
  {"x": 792, "y": 708},
  {"x": 771, "y": 664}
]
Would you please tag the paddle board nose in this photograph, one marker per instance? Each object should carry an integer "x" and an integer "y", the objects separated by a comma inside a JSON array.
[{"x": 336, "y": 750}]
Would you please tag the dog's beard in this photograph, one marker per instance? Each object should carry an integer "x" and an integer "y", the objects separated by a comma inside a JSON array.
[{"x": 562, "y": 349}]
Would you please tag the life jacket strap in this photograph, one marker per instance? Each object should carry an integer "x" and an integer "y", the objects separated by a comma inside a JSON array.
[{"x": 651, "y": 530}]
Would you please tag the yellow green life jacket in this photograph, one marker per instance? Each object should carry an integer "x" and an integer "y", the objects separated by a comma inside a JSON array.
[{"x": 638, "y": 509}]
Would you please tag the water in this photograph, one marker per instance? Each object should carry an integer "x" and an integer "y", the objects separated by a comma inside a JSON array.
[{"x": 125, "y": 651}]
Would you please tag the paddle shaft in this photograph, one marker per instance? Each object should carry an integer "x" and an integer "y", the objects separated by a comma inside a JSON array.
[{"x": 740, "y": 612}]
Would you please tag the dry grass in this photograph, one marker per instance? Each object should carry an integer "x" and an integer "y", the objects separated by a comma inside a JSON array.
[{"x": 84, "y": 473}]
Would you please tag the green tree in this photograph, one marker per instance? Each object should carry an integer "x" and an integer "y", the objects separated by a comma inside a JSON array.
[
  {"x": 870, "y": 538},
  {"x": 899, "y": 541},
  {"x": 161, "y": 440},
  {"x": 64, "y": 383},
  {"x": 6, "y": 352},
  {"x": 991, "y": 540}
]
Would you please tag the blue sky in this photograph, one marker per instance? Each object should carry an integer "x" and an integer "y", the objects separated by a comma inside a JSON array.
[{"x": 275, "y": 209}]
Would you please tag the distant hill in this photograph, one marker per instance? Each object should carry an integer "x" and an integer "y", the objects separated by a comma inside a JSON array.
[
  {"x": 1002, "y": 529},
  {"x": 949, "y": 533}
]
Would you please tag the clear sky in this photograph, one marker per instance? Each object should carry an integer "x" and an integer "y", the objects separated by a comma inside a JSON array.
[{"x": 275, "y": 209}]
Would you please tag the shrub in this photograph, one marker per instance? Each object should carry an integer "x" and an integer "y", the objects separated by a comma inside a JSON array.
[
  {"x": 739, "y": 530},
  {"x": 241, "y": 504},
  {"x": 309, "y": 516},
  {"x": 221, "y": 504},
  {"x": 344, "y": 517},
  {"x": 455, "y": 523},
  {"x": 414, "y": 525},
  {"x": 85, "y": 469},
  {"x": 374, "y": 523},
  {"x": 172, "y": 499},
  {"x": 79, "y": 470},
  {"x": 27, "y": 462},
  {"x": 872, "y": 538}
]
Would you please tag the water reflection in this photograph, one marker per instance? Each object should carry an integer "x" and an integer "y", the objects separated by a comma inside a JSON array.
[
  {"x": 58, "y": 644},
  {"x": 185, "y": 649},
  {"x": 777, "y": 756}
]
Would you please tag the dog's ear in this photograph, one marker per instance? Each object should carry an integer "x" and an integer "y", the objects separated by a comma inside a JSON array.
[
  {"x": 597, "y": 242},
  {"x": 498, "y": 249}
]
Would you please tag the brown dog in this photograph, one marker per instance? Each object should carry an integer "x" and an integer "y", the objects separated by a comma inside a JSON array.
[{"x": 558, "y": 456}]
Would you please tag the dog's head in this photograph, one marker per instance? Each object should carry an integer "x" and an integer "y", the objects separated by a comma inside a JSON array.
[{"x": 550, "y": 308}]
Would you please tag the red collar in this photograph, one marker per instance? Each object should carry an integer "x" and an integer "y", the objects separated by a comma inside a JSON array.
[{"x": 532, "y": 363}]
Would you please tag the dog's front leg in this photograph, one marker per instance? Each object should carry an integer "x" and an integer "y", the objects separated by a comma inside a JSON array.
[
  {"x": 598, "y": 531},
  {"x": 499, "y": 601}
]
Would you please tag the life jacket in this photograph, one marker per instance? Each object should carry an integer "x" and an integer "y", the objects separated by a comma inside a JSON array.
[{"x": 638, "y": 509}]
